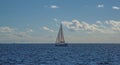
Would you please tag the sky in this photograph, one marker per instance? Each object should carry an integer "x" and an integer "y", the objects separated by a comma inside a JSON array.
[{"x": 38, "y": 21}]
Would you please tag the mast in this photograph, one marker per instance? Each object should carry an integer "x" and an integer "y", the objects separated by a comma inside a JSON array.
[{"x": 60, "y": 37}]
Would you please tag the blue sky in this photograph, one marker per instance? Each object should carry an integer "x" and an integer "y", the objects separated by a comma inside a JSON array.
[{"x": 37, "y": 21}]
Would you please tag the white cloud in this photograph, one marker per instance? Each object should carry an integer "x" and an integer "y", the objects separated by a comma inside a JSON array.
[
  {"x": 115, "y": 8},
  {"x": 110, "y": 26},
  {"x": 54, "y": 6},
  {"x": 47, "y": 29},
  {"x": 9, "y": 34},
  {"x": 98, "y": 22},
  {"x": 55, "y": 19},
  {"x": 30, "y": 30},
  {"x": 115, "y": 25},
  {"x": 76, "y": 25},
  {"x": 6, "y": 29},
  {"x": 100, "y": 5}
]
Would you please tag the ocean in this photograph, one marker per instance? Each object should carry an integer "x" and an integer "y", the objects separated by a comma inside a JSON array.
[{"x": 49, "y": 54}]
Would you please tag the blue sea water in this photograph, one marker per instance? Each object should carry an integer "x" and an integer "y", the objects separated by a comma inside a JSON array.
[{"x": 49, "y": 54}]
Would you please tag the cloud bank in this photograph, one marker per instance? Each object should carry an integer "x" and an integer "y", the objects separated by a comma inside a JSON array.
[
  {"x": 110, "y": 26},
  {"x": 9, "y": 34}
]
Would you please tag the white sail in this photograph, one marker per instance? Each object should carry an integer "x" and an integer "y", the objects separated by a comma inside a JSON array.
[{"x": 60, "y": 37}]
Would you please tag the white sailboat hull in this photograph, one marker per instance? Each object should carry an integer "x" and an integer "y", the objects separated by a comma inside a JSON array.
[{"x": 61, "y": 44}]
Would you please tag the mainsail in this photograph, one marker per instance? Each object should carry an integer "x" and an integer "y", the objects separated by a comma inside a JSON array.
[{"x": 60, "y": 36}]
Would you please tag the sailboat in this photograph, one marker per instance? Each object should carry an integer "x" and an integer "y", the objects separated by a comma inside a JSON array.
[{"x": 60, "y": 38}]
